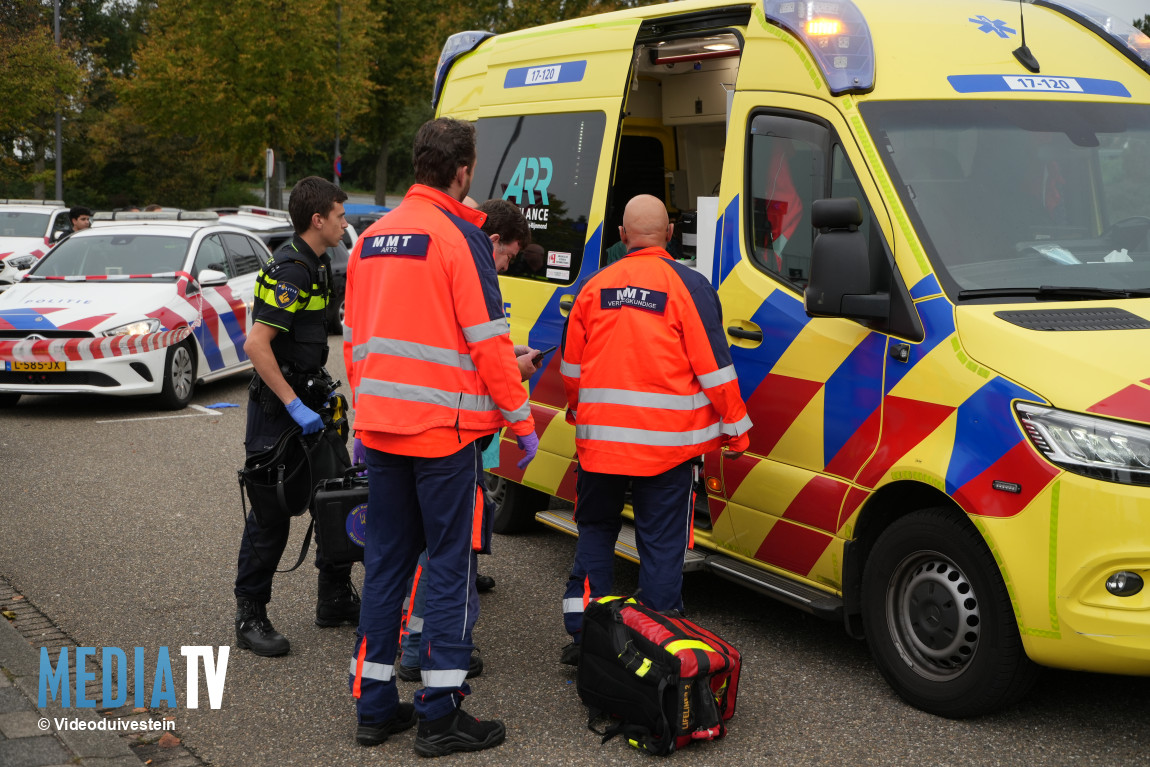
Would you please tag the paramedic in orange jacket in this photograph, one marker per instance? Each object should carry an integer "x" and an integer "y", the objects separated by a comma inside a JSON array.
[
  {"x": 650, "y": 386},
  {"x": 433, "y": 372}
]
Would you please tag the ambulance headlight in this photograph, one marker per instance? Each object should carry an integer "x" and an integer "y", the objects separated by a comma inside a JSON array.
[
  {"x": 1113, "y": 451},
  {"x": 135, "y": 328},
  {"x": 22, "y": 262}
]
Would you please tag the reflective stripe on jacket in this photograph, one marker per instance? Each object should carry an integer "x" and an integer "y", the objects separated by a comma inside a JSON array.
[
  {"x": 426, "y": 342},
  {"x": 648, "y": 374}
]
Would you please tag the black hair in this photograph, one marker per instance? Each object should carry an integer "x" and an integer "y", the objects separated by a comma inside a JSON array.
[
  {"x": 312, "y": 195},
  {"x": 507, "y": 220},
  {"x": 442, "y": 147}
]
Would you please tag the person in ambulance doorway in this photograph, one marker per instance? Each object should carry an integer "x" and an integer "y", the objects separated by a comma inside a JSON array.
[
  {"x": 426, "y": 393},
  {"x": 650, "y": 386},
  {"x": 288, "y": 348}
]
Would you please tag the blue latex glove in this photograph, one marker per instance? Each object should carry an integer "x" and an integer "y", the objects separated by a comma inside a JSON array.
[
  {"x": 529, "y": 444},
  {"x": 358, "y": 452},
  {"x": 307, "y": 418}
]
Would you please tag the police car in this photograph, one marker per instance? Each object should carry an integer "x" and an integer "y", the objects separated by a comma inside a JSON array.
[
  {"x": 140, "y": 273},
  {"x": 27, "y": 228},
  {"x": 274, "y": 227}
]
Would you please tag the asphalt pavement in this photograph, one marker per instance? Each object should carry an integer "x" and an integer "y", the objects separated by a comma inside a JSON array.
[{"x": 120, "y": 523}]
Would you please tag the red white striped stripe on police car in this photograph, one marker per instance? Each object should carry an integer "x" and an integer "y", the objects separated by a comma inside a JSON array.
[{"x": 82, "y": 349}]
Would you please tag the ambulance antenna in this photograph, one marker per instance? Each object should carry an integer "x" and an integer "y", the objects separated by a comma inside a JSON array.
[{"x": 1022, "y": 53}]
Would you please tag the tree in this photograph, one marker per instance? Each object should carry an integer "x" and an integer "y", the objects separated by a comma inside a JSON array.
[
  {"x": 226, "y": 80},
  {"x": 37, "y": 77},
  {"x": 1143, "y": 24}
]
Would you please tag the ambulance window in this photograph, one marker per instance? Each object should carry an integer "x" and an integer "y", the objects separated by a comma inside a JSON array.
[
  {"x": 786, "y": 166},
  {"x": 844, "y": 183},
  {"x": 545, "y": 164}
]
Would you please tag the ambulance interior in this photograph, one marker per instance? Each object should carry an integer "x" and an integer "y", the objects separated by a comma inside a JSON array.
[{"x": 673, "y": 134}]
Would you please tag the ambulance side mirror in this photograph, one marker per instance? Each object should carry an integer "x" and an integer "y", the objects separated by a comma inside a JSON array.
[{"x": 843, "y": 282}]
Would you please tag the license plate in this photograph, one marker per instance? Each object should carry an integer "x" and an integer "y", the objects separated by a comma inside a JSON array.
[{"x": 38, "y": 367}]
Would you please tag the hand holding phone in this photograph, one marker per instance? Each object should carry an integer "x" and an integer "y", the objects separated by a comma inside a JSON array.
[{"x": 537, "y": 358}]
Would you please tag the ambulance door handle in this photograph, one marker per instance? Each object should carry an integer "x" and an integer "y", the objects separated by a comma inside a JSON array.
[
  {"x": 747, "y": 335},
  {"x": 566, "y": 303}
]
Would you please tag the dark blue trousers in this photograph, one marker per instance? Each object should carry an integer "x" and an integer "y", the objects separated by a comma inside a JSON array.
[
  {"x": 662, "y": 506},
  {"x": 416, "y": 503}
]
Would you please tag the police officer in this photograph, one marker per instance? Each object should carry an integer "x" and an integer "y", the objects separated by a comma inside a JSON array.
[
  {"x": 433, "y": 372},
  {"x": 650, "y": 386},
  {"x": 288, "y": 348}
]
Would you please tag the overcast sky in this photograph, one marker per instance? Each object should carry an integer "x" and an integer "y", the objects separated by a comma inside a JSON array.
[{"x": 1127, "y": 10}]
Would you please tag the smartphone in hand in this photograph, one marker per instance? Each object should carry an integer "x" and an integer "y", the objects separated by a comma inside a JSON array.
[{"x": 537, "y": 358}]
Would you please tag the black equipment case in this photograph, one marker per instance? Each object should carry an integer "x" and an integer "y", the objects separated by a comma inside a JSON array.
[{"x": 340, "y": 511}]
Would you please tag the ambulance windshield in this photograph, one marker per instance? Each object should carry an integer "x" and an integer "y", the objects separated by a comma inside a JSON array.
[{"x": 1023, "y": 194}]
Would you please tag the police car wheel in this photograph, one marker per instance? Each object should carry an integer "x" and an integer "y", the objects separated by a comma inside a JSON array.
[
  {"x": 515, "y": 505},
  {"x": 938, "y": 618},
  {"x": 179, "y": 377},
  {"x": 9, "y": 399}
]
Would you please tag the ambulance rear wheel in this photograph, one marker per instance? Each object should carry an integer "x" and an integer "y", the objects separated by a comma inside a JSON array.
[
  {"x": 179, "y": 376},
  {"x": 938, "y": 618},
  {"x": 515, "y": 505}
]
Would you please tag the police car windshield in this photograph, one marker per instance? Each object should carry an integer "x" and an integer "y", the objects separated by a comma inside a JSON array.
[
  {"x": 108, "y": 255},
  {"x": 1023, "y": 194},
  {"x": 14, "y": 223}
]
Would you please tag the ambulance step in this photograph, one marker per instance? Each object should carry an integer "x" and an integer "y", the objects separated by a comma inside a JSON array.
[
  {"x": 800, "y": 595},
  {"x": 806, "y": 598},
  {"x": 624, "y": 547}
]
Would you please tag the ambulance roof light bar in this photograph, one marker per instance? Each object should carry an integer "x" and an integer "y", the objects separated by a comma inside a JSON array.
[
  {"x": 456, "y": 45},
  {"x": 1127, "y": 38},
  {"x": 836, "y": 34}
]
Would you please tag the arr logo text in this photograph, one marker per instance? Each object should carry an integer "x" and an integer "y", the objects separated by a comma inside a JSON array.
[
  {"x": 54, "y": 680},
  {"x": 533, "y": 174}
]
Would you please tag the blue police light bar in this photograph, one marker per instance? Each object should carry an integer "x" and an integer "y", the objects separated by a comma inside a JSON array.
[
  {"x": 1132, "y": 42},
  {"x": 456, "y": 45},
  {"x": 836, "y": 34}
]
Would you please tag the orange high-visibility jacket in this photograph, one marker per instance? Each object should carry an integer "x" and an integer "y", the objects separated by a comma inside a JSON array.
[
  {"x": 648, "y": 374},
  {"x": 426, "y": 341}
]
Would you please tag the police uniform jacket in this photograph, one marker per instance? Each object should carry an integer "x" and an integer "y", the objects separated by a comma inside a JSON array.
[
  {"x": 649, "y": 378},
  {"x": 426, "y": 341},
  {"x": 291, "y": 295}
]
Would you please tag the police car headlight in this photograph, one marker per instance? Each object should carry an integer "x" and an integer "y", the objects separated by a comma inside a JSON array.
[
  {"x": 135, "y": 328},
  {"x": 21, "y": 262},
  {"x": 1113, "y": 451}
]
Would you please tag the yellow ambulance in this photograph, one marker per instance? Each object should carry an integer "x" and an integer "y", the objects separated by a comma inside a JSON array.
[{"x": 929, "y": 226}]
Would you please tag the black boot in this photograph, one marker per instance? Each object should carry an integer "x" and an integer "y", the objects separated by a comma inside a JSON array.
[
  {"x": 255, "y": 632},
  {"x": 337, "y": 605}
]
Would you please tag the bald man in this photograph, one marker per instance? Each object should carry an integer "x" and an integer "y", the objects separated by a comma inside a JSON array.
[{"x": 650, "y": 387}]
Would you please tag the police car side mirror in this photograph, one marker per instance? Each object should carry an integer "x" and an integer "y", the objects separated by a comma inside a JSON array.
[
  {"x": 843, "y": 281},
  {"x": 211, "y": 278}
]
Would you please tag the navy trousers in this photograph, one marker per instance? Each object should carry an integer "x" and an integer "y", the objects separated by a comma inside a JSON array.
[
  {"x": 416, "y": 503},
  {"x": 662, "y": 506}
]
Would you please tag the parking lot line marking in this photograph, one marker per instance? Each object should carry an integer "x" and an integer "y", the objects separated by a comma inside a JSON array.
[{"x": 203, "y": 411}]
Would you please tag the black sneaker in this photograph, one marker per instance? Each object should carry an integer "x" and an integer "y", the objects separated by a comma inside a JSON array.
[
  {"x": 368, "y": 734},
  {"x": 413, "y": 673},
  {"x": 337, "y": 605},
  {"x": 458, "y": 731},
  {"x": 255, "y": 632},
  {"x": 484, "y": 583},
  {"x": 570, "y": 655}
]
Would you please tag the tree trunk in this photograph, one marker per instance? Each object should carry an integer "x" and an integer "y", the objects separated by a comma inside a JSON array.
[{"x": 381, "y": 174}]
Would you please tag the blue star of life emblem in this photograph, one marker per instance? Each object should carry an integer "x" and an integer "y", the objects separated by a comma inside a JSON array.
[{"x": 998, "y": 26}]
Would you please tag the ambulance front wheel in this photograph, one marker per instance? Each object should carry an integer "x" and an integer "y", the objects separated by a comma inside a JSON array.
[
  {"x": 515, "y": 505},
  {"x": 938, "y": 618},
  {"x": 179, "y": 376}
]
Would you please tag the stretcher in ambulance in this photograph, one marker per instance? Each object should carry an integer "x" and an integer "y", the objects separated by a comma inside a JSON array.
[{"x": 930, "y": 232}]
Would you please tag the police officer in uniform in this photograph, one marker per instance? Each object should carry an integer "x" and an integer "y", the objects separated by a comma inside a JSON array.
[{"x": 288, "y": 348}]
